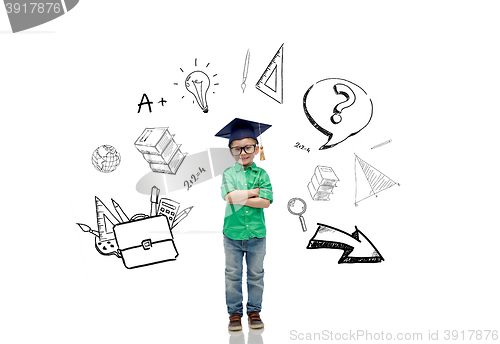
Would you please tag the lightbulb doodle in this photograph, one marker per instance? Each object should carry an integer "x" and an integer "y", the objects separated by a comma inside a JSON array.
[
  {"x": 198, "y": 83},
  {"x": 337, "y": 108}
]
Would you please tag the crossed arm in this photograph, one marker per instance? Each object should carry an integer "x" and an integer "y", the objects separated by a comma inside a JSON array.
[{"x": 249, "y": 198}]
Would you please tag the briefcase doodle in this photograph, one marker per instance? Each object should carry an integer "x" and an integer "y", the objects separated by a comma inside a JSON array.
[
  {"x": 140, "y": 240},
  {"x": 145, "y": 241}
]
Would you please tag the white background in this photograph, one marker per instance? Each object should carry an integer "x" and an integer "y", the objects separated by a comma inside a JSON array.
[{"x": 73, "y": 84}]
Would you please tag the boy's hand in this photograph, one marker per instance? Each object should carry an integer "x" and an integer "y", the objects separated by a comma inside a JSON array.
[
  {"x": 241, "y": 196},
  {"x": 253, "y": 192}
]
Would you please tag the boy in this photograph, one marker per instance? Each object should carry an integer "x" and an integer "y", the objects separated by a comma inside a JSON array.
[{"x": 247, "y": 190}]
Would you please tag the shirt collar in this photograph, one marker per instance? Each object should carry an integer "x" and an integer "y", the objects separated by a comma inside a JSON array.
[{"x": 240, "y": 168}]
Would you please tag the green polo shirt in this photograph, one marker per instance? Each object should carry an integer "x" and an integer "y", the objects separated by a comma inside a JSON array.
[{"x": 242, "y": 222}]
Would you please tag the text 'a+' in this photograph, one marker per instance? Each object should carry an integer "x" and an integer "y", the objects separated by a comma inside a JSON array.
[{"x": 145, "y": 101}]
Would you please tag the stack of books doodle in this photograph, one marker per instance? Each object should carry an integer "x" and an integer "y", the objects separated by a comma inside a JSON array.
[
  {"x": 322, "y": 183},
  {"x": 159, "y": 149}
]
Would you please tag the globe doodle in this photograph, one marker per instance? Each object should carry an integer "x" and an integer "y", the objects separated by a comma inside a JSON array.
[{"x": 106, "y": 159}]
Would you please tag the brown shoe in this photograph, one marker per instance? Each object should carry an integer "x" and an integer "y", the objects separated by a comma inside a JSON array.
[
  {"x": 254, "y": 320},
  {"x": 235, "y": 322}
]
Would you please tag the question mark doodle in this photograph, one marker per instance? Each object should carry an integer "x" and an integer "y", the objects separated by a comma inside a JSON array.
[
  {"x": 337, "y": 127},
  {"x": 348, "y": 93}
]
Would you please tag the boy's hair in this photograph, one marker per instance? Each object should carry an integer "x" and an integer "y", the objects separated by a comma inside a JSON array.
[{"x": 256, "y": 142}]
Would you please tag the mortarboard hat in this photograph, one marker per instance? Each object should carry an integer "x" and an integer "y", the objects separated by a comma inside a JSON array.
[{"x": 239, "y": 129}]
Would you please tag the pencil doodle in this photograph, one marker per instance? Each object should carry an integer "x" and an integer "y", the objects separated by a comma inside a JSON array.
[
  {"x": 106, "y": 158},
  {"x": 373, "y": 183},
  {"x": 245, "y": 71},
  {"x": 197, "y": 83},
  {"x": 297, "y": 206},
  {"x": 196, "y": 169},
  {"x": 271, "y": 81},
  {"x": 159, "y": 149},
  {"x": 181, "y": 216},
  {"x": 322, "y": 183},
  {"x": 381, "y": 144},
  {"x": 25, "y": 14},
  {"x": 140, "y": 240},
  {"x": 356, "y": 246},
  {"x": 338, "y": 109}
]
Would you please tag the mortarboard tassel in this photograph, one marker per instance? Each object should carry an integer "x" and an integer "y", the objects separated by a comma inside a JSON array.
[{"x": 262, "y": 156}]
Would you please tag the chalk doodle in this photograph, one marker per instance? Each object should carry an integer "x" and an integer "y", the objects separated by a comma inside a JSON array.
[
  {"x": 356, "y": 246},
  {"x": 271, "y": 81},
  {"x": 338, "y": 109},
  {"x": 373, "y": 182}
]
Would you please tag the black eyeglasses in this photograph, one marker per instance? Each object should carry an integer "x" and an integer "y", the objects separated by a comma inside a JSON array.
[{"x": 248, "y": 149}]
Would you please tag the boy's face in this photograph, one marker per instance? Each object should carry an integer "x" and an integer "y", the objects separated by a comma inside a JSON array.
[{"x": 244, "y": 158}]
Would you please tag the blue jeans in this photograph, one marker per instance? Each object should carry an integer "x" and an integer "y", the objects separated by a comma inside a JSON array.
[{"x": 254, "y": 249}]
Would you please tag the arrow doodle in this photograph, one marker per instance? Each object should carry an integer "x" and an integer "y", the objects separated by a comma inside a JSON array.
[{"x": 356, "y": 246}]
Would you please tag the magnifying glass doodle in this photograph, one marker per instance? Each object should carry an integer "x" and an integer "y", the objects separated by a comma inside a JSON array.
[{"x": 297, "y": 206}]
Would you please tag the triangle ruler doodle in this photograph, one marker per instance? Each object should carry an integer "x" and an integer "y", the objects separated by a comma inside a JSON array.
[
  {"x": 105, "y": 221},
  {"x": 271, "y": 81},
  {"x": 370, "y": 182}
]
